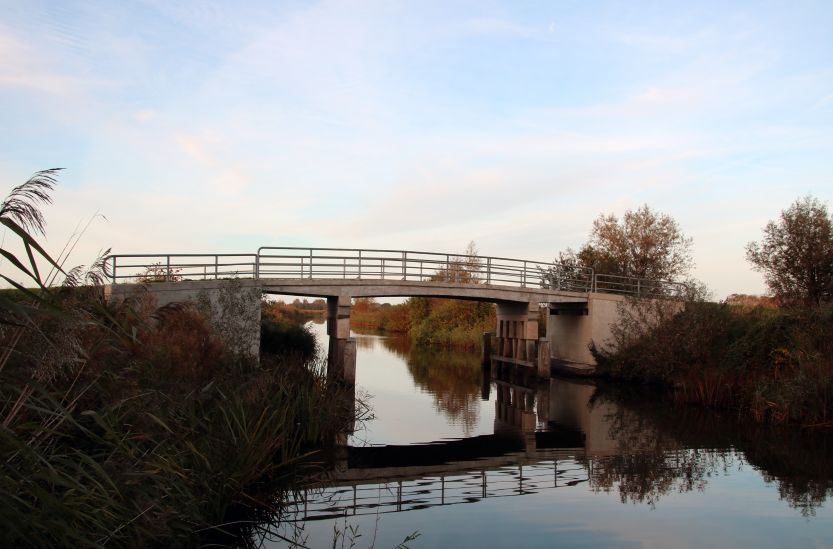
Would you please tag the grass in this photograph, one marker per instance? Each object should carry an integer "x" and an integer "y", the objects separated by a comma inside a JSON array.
[{"x": 160, "y": 438}]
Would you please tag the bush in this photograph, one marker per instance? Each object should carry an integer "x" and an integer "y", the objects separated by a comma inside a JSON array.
[
  {"x": 287, "y": 339},
  {"x": 776, "y": 365}
]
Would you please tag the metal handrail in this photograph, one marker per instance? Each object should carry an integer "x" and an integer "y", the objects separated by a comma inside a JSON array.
[
  {"x": 407, "y": 265},
  {"x": 379, "y": 264},
  {"x": 639, "y": 287}
]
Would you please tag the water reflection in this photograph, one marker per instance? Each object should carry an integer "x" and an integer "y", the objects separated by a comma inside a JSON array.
[
  {"x": 451, "y": 377},
  {"x": 538, "y": 443},
  {"x": 661, "y": 448}
]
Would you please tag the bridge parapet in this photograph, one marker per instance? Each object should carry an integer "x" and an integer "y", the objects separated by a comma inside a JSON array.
[{"x": 361, "y": 264}]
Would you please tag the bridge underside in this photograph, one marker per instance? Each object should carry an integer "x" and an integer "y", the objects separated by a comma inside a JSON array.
[
  {"x": 410, "y": 288},
  {"x": 574, "y": 320}
]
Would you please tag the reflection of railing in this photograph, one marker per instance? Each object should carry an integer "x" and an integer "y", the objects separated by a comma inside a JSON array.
[
  {"x": 348, "y": 263},
  {"x": 434, "y": 491}
]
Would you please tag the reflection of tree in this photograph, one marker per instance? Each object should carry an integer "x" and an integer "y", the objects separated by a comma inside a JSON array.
[
  {"x": 451, "y": 376},
  {"x": 649, "y": 464},
  {"x": 663, "y": 448}
]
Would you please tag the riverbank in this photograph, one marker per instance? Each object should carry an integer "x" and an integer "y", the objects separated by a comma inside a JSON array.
[
  {"x": 428, "y": 321},
  {"x": 775, "y": 365},
  {"x": 124, "y": 424}
]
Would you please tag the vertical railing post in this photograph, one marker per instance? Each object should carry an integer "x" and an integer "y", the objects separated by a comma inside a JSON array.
[
  {"x": 344, "y": 267},
  {"x": 302, "y": 266},
  {"x": 404, "y": 265},
  {"x": 523, "y": 277},
  {"x": 383, "y": 268},
  {"x": 217, "y": 267},
  {"x": 488, "y": 270},
  {"x": 114, "y": 269},
  {"x": 447, "y": 268},
  {"x": 168, "y": 277},
  {"x": 360, "y": 264},
  {"x": 310, "y": 262}
]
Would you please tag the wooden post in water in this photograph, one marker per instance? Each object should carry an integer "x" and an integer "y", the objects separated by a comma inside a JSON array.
[
  {"x": 486, "y": 354},
  {"x": 544, "y": 357}
]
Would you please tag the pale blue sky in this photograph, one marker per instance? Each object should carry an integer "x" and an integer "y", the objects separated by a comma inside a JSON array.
[{"x": 201, "y": 126}]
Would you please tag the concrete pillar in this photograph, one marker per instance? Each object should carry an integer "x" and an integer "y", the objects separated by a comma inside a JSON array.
[
  {"x": 341, "y": 358},
  {"x": 338, "y": 316}
]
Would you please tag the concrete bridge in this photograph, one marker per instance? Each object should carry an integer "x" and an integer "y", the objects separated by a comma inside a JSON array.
[{"x": 581, "y": 305}]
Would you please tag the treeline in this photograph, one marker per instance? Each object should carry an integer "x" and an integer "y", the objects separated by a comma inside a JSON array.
[
  {"x": 296, "y": 312},
  {"x": 428, "y": 321}
]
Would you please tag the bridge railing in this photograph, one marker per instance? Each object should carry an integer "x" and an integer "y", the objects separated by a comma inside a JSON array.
[
  {"x": 348, "y": 263},
  {"x": 638, "y": 287},
  {"x": 178, "y": 267}
]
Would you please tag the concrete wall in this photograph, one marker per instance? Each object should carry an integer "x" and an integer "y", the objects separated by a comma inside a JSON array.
[
  {"x": 232, "y": 305},
  {"x": 571, "y": 327}
]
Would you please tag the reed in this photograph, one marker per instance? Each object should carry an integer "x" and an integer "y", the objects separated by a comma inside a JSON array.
[{"x": 122, "y": 424}]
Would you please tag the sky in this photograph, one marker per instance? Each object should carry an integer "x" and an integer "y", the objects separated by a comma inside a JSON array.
[{"x": 219, "y": 127}]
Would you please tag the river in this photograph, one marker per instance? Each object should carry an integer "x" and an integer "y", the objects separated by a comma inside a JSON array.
[{"x": 500, "y": 459}]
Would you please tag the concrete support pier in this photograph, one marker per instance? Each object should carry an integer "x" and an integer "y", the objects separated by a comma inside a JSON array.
[
  {"x": 517, "y": 336},
  {"x": 341, "y": 358}
]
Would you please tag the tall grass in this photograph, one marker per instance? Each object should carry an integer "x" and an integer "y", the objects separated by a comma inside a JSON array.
[{"x": 122, "y": 424}]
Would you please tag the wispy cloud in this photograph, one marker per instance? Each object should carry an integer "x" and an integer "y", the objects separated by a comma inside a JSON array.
[
  {"x": 24, "y": 67},
  {"x": 384, "y": 124}
]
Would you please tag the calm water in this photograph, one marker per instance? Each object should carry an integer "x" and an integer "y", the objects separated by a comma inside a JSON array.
[{"x": 503, "y": 460}]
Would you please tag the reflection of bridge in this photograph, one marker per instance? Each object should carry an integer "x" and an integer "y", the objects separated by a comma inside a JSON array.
[
  {"x": 511, "y": 475},
  {"x": 582, "y": 304},
  {"x": 526, "y": 454}
]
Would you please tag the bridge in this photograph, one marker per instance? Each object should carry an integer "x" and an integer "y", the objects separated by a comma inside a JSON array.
[{"x": 581, "y": 303}]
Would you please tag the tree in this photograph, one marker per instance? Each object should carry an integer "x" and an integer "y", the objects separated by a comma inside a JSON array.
[
  {"x": 644, "y": 244},
  {"x": 462, "y": 268},
  {"x": 796, "y": 254}
]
